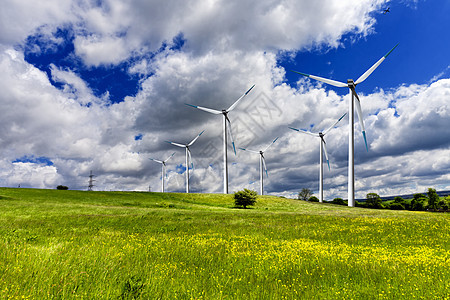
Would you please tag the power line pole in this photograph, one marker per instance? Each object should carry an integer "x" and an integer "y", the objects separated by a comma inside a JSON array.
[{"x": 91, "y": 181}]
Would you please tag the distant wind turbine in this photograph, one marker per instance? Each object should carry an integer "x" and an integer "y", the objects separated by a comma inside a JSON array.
[
  {"x": 322, "y": 149},
  {"x": 225, "y": 112},
  {"x": 163, "y": 169},
  {"x": 188, "y": 156},
  {"x": 262, "y": 163},
  {"x": 351, "y": 138}
]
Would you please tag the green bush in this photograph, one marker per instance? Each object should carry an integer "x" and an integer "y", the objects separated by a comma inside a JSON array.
[
  {"x": 338, "y": 201},
  {"x": 396, "y": 206},
  {"x": 313, "y": 199},
  {"x": 245, "y": 198},
  {"x": 62, "y": 187}
]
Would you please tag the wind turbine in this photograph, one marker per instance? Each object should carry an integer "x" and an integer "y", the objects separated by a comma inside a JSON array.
[
  {"x": 225, "y": 112},
  {"x": 351, "y": 138},
  {"x": 262, "y": 163},
  {"x": 163, "y": 169},
  {"x": 323, "y": 149},
  {"x": 188, "y": 156}
]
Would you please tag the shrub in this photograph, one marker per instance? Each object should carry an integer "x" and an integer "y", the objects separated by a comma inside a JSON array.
[
  {"x": 62, "y": 187},
  {"x": 396, "y": 206},
  {"x": 338, "y": 201},
  {"x": 313, "y": 199},
  {"x": 245, "y": 198}
]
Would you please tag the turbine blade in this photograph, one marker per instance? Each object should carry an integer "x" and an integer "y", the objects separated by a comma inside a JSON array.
[
  {"x": 270, "y": 144},
  {"x": 248, "y": 150},
  {"x": 360, "y": 117},
  {"x": 264, "y": 164},
  {"x": 327, "y": 81},
  {"x": 190, "y": 159},
  {"x": 240, "y": 98},
  {"x": 335, "y": 123},
  {"x": 169, "y": 157},
  {"x": 326, "y": 153},
  {"x": 193, "y": 141},
  {"x": 303, "y": 131},
  {"x": 371, "y": 69},
  {"x": 176, "y": 144},
  {"x": 213, "y": 111},
  {"x": 231, "y": 134},
  {"x": 158, "y": 161}
]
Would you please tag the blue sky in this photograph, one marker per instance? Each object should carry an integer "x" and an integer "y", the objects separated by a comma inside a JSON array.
[{"x": 101, "y": 85}]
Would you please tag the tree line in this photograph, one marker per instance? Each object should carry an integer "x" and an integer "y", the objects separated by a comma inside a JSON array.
[{"x": 420, "y": 202}]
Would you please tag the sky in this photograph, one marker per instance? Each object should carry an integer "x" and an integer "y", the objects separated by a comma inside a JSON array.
[{"x": 102, "y": 85}]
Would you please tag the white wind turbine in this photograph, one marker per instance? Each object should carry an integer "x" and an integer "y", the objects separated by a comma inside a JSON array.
[
  {"x": 351, "y": 139},
  {"x": 322, "y": 150},
  {"x": 163, "y": 169},
  {"x": 188, "y": 156},
  {"x": 262, "y": 163},
  {"x": 225, "y": 112}
]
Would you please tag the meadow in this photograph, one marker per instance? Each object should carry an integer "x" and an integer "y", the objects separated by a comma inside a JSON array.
[{"x": 131, "y": 245}]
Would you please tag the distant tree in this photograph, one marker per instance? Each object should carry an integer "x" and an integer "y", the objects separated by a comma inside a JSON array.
[
  {"x": 433, "y": 199},
  {"x": 399, "y": 204},
  {"x": 245, "y": 198},
  {"x": 62, "y": 187},
  {"x": 304, "y": 194},
  {"x": 313, "y": 199},
  {"x": 444, "y": 204},
  {"x": 418, "y": 202},
  {"x": 338, "y": 201},
  {"x": 418, "y": 196},
  {"x": 373, "y": 200}
]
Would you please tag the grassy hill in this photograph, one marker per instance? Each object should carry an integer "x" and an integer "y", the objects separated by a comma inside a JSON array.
[{"x": 129, "y": 245}]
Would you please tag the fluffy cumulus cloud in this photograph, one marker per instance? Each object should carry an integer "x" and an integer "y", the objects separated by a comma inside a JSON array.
[{"x": 206, "y": 53}]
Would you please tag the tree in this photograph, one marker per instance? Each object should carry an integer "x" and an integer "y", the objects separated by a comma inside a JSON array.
[
  {"x": 62, "y": 187},
  {"x": 433, "y": 199},
  {"x": 313, "y": 199},
  {"x": 444, "y": 203},
  {"x": 374, "y": 201},
  {"x": 419, "y": 202},
  {"x": 398, "y": 204},
  {"x": 304, "y": 194},
  {"x": 245, "y": 198}
]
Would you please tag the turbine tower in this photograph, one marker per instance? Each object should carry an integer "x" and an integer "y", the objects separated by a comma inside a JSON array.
[
  {"x": 188, "y": 156},
  {"x": 322, "y": 150},
  {"x": 354, "y": 99},
  {"x": 163, "y": 169},
  {"x": 262, "y": 163},
  {"x": 226, "y": 120}
]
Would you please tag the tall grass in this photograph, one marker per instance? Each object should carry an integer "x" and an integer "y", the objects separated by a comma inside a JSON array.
[{"x": 111, "y": 245}]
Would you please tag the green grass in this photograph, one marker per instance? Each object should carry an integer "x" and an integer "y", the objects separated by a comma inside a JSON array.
[{"x": 130, "y": 245}]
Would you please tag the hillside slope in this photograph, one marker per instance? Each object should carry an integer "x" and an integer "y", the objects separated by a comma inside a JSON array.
[{"x": 130, "y": 245}]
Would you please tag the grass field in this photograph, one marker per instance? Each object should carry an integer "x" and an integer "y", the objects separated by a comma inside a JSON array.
[{"x": 130, "y": 245}]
